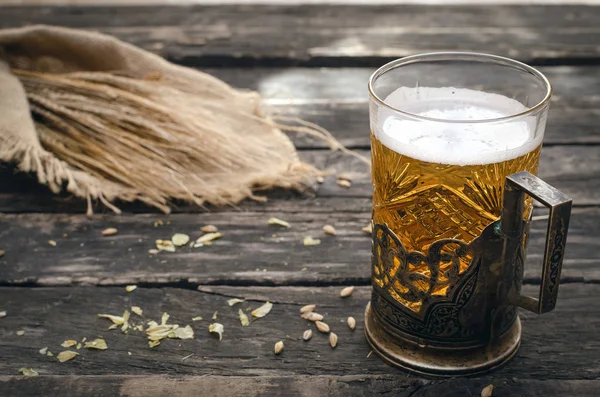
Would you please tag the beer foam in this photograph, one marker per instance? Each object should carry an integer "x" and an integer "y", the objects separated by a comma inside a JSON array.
[{"x": 456, "y": 143}]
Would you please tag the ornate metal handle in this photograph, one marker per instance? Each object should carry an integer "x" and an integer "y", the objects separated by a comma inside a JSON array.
[{"x": 512, "y": 227}]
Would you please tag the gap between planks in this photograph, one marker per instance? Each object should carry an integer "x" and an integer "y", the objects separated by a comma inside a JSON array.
[
  {"x": 334, "y": 35},
  {"x": 247, "y": 254},
  {"x": 554, "y": 345}
]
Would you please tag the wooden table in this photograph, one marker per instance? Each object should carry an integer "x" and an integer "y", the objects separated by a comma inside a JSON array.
[{"x": 312, "y": 62}]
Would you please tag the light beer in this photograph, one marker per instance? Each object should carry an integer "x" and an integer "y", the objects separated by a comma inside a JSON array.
[
  {"x": 437, "y": 179},
  {"x": 456, "y": 139}
]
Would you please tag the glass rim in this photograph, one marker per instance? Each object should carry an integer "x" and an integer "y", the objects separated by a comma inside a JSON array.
[{"x": 459, "y": 55}]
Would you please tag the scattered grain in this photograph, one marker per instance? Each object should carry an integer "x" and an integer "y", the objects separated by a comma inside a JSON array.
[
  {"x": 69, "y": 343},
  {"x": 263, "y": 310},
  {"x": 351, "y": 323},
  {"x": 279, "y": 222},
  {"x": 234, "y": 301},
  {"x": 333, "y": 340},
  {"x": 307, "y": 334},
  {"x": 308, "y": 241},
  {"x": 312, "y": 316},
  {"x": 487, "y": 391},
  {"x": 28, "y": 372},
  {"x": 243, "y": 318},
  {"x": 165, "y": 245},
  {"x": 111, "y": 231},
  {"x": 117, "y": 320},
  {"x": 328, "y": 229},
  {"x": 209, "y": 229},
  {"x": 307, "y": 308},
  {"x": 137, "y": 310},
  {"x": 322, "y": 327},
  {"x": 208, "y": 237},
  {"x": 98, "y": 344},
  {"x": 216, "y": 328},
  {"x": 346, "y": 292},
  {"x": 180, "y": 239},
  {"x": 278, "y": 347},
  {"x": 344, "y": 183},
  {"x": 66, "y": 355}
]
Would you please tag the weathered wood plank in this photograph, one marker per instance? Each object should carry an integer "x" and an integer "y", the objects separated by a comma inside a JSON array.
[
  {"x": 271, "y": 386},
  {"x": 569, "y": 123},
  {"x": 334, "y": 35},
  {"x": 29, "y": 198},
  {"x": 249, "y": 253},
  {"x": 573, "y": 169},
  {"x": 337, "y": 100},
  {"x": 553, "y": 346}
]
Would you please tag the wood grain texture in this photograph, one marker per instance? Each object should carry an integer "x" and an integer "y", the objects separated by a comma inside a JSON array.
[
  {"x": 575, "y": 170},
  {"x": 271, "y": 386},
  {"x": 558, "y": 345},
  {"x": 336, "y": 98},
  {"x": 85, "y": 273},
  {"x": 334, "y": 35},
  {"x": 249, "y": 253}
]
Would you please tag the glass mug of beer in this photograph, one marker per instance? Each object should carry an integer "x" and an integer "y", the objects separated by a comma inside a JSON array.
[{"x": 455, "y": 145}]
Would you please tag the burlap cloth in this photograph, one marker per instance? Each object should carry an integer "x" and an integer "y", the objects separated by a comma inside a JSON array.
[{"x": 220, "y": 118}]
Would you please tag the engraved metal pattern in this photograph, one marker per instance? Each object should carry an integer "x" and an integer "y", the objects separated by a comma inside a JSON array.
[
  {"x": 440, "y": 318},
  {"x": 559, "y": 238},
  {"x": 397, "y": 268},
  {"x": 428, "y": 316},
  {"x": 516, "y": 186}
]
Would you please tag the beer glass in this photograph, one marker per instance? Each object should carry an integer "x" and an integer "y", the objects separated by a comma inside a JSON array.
[{"x": 455, "y": 145}]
